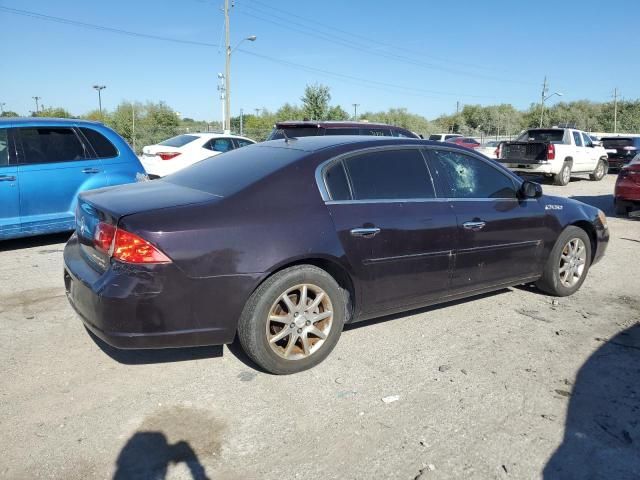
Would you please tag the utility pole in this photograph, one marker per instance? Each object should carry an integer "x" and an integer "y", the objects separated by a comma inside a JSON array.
[
  {"x": 2, "y": 104},
  {"x": 37, "y": 99},
  {"x": 545, "y": 88},
  {"x": 457, "y": 107},
  {"x": 241, "y": 121},
  {"x": 355, "y": 111},
  {"x": 257, "y": 111},
  {"x": 227, "y": 73},
  {"x": 615, "y": 110}
]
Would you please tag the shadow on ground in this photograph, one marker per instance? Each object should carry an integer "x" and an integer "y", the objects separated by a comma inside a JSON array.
[
  {"x": 148, "y": 455},
  {"x": 31, "y": 242},
  {"x": 161, "y": 355},
  {"x": 602, "y": 431}
]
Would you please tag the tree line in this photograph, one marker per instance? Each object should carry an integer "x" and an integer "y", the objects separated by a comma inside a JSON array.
[{"x": 148, "y": 123}]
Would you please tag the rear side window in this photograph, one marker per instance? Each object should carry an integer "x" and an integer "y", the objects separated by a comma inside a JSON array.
[
  {"x": 336, "y": 181},
  {"x": 389, "y": 174},
  {"x": 179, "y": 141},
  {"x": 435, "y": 137},
  {"x": 219, "y": 145},
  {"x": 101, "y": 144},
  {"x": 463, "y": 176},
  {"x": 243, "y": 143},
  {"x": 4, "y": 147},
  {"x": 577, "y": 139},
  {"x": 50, "y": 145}
]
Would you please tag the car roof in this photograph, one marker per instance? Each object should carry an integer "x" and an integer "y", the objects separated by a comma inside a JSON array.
[
  {"x": 18, "y": 121},
  {"x": 213, "y": 135},
  {"x": 317, "y": 143},
  {"x": 333, "y": 123}
]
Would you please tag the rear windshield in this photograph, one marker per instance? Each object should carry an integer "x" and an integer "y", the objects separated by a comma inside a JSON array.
[
  {"x": 547, "y": 136},
  {"x": 229, "y": 173},
  {"x": 291, "y": 132},
  {"x": 435, "y": 137},
  {"x": 617, "y": 142},
  {"x": 179, "y": 141}
]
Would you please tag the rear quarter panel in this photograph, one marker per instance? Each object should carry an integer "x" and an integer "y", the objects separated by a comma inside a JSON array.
[{"x": 122, "y": 168}]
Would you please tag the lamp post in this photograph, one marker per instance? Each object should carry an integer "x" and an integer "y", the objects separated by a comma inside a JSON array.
[
  {"x": 37, "y": 99},
  {"x": 227, "y": 74},
  {"x": 99, "y": 88},
  {"x": 544, "y": 97}
]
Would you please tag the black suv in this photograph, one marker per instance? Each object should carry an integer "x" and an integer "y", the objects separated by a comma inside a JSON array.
[
  {"x": 620, "y": 150},
  {"x": 313, "y": 129}
]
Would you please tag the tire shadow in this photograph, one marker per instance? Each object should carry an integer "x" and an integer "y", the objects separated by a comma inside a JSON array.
[{"x": 602, "y": 430}]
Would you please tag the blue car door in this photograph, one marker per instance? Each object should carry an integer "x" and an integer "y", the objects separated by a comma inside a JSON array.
[
  {"x": 54, "y": 166},
  {"x": 9, "y": 192}
]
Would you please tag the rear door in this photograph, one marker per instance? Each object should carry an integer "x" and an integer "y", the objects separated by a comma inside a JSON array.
[
  {"x": 397, "y": 236},
  {"x": 9, "y": 187},
  {"x": 54, "y": 165},
  {"x": 580, "y": 157},
  {"x": 499, "y": 237}
]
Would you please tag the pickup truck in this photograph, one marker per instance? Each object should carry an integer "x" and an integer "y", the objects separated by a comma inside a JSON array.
[{"x": 555, "y": 152}]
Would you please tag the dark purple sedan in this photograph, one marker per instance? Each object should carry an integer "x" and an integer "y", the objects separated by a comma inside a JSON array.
[{"x": 282, "y": 243}]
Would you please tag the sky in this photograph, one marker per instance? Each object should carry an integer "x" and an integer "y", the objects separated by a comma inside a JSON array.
[{"x": 421, "y": 55}]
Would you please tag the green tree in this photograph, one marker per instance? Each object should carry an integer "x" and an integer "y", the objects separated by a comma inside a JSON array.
[
  {"x": 315, "y": 101},
  {"x": 9, "y": 113},
  {"x": 55, "y": 112},
  {"x": 337, "y": 113}
]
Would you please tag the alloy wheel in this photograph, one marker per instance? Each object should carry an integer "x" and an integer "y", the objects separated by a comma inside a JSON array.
[
  {"x": 299, "y": 322},
  {"x": 572, "y": 262}
]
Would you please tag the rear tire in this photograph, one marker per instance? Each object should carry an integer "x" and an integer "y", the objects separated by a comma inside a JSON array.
[
  {"x": 599, "y": 172},
  {"x": 568, "y": 263},
  {"x": 621, "y": 209},
  {"x": 293, "y": 320},
  {"x": 563, "y": 177}
]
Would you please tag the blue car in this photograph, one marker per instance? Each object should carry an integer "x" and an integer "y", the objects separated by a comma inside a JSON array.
[{"x": 46, "y": 162}]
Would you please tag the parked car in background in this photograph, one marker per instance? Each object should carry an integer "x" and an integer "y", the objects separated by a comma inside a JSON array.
[
  {"x": 299, "y": 129},
  {"x": 627, "y": 191},
  {"x": 441, "y": 137},
  {"x": 490, "y": 149},
  {"x": 467, "y": 142},
  {"x": 620, "y": 150},
  {"x": 181, "y": 151},
  {"x": 46, "y": 162},
  {"x": 281, "y": 243},
  {"x": 556, "y": 153}
]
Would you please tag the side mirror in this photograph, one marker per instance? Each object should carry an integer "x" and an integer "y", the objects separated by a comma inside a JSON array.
[
  {"x": 596, "y": 143},
  {"x": 530, "y": 190}
]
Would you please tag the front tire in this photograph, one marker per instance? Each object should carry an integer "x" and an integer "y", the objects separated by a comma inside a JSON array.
[
  {"x": 568, "y": 264},
  {"x": 599, "y": 172},
  {"x": 293, "y": 320},
  {"x": 563, "y": 177}
]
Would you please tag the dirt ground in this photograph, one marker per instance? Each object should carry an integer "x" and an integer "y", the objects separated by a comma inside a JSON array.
[{"x": 509, "y": 385}]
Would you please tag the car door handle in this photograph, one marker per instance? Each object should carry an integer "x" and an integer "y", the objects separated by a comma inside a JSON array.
[
  {"x": 7, "y": 178},
  {"x": 90, "y": 170},
  {"x": 474, "y": 226},
  {"x": 365, "y": 232}
]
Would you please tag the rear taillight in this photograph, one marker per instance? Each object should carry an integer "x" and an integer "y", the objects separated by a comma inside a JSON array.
[
  {"x": 497, "y": 152},
  {"x": 103, "y": 236},
  {"x": 551, "y": 152},
  {"x": 126, "y": 247},
  {"x": 167, "y": 155}
]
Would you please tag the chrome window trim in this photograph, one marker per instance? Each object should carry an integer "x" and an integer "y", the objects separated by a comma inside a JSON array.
[{"x": 423, "y": 200}]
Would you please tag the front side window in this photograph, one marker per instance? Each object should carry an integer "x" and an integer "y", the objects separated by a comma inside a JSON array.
[
  {"x": 101, "y": 144},
  {"x": 577, "y": 139},
  {"x": 464, "y": 176},
  {"x": 50, "y": 145},
  {"x": 4, "y": 147},
  {"x": 587, "y": 140},
  {"x": 389, "y": 174}
]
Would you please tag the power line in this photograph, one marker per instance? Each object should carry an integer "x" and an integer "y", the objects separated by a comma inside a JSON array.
[
  {"x": 344, "y": 77},
  {"x": 309, "y": 31}
]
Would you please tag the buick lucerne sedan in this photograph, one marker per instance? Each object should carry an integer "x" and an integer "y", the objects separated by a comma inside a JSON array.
[{"x": 282, "y": 243}]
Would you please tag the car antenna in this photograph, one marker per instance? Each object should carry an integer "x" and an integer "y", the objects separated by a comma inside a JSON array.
[{"x": 286, "y": 137}]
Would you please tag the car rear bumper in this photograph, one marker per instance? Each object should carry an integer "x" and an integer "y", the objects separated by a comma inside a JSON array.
[
  {"x": 618, "y": 162},
  {"x": 529, "y": 166},
  {"x": 154, "y": 307}
]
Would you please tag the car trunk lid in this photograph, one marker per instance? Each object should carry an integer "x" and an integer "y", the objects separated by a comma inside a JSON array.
[{"x": 524, "y": 151}]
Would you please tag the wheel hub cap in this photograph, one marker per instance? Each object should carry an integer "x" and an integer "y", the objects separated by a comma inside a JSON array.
[{"x": 573, "y": 259}]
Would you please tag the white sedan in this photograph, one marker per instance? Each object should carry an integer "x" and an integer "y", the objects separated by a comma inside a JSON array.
[{"x": 179, "y": 152}]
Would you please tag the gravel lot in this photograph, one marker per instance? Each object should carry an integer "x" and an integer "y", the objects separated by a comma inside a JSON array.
[{"x": 509, "y": 385}]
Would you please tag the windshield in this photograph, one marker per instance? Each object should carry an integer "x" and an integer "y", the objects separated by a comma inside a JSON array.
[
  {"x": 292, "y": 131},
  {"x": 617, "y": 142},
  {"x": 179, "y": 141},
  {"x": 547, "y": 136}
]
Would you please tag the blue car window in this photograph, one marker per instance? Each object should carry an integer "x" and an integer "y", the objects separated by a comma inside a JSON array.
[
  {"x": 51, "y": 145},
  {"x": 101, "y": 144},
  {"x": 4, "y": 148}
]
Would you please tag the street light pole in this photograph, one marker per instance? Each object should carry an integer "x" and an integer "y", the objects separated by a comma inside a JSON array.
[
  {"x": 355, "y": 111},
  {"x": 37, "y": 99},
  {"x": 544, "y": 97},
  {"x": 99, "y": 88}
]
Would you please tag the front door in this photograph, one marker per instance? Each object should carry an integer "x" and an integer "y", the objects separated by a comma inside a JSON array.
[
  {"x": 9, "y": 191},
  {"x": 397, "y": 237},
  {"x": 54, "y": 166},
  {"x": 500, "y": 237}
]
